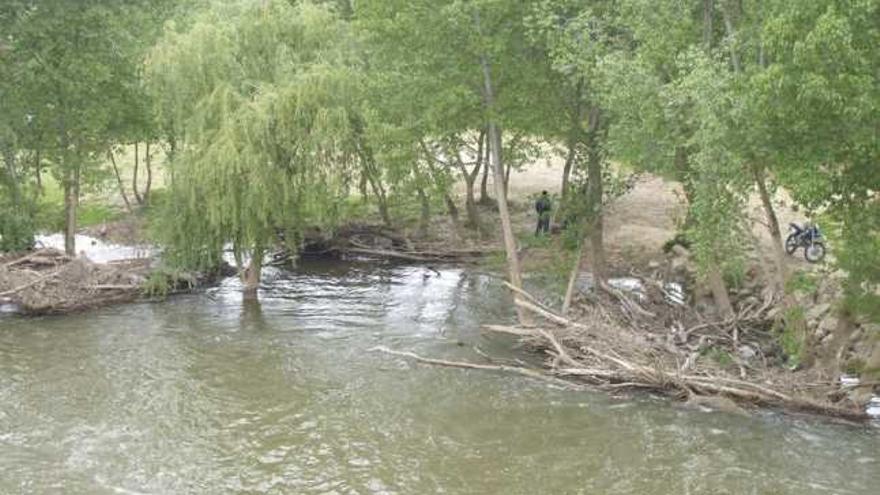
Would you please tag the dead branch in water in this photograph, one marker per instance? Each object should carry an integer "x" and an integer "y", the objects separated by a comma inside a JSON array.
[
  {"x": 421, "y": 256},
  {"x": 547, "y": 314},
  {"x": 475, "y": 366},
  {"x": 385, "y": 253}
]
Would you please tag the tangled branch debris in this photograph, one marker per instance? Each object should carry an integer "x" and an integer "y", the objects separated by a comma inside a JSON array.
[
  {"x": 48, "y": 281},
  {"x": 608, "y": 348}
]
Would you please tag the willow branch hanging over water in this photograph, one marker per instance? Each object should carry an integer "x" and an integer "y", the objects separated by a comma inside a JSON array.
[{"x": 262, "y": 96}]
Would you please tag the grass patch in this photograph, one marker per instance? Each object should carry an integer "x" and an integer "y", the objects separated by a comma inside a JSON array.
[
  {"x": 719, "y": 356},
  {"x": 791, "y": 336},
  {"x": 91, "y": 214},
  {"x": 802, "y": 282}
]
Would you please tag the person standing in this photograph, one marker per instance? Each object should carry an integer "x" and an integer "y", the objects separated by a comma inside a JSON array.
[{"x": 543, "y": 206}]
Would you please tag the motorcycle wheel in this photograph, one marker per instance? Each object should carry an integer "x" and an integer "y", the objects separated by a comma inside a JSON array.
[
  {"x": 814, "y": 252},
  {"x": 791, "y": 244}
]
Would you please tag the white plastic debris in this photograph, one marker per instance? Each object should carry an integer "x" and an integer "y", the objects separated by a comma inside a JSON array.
[
  {"x": 674, "y": 293},
  {"x": 873, "y": 408},
  {"x": 847, "y": 381}
]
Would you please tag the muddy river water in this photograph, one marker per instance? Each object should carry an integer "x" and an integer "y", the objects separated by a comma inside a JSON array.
[{"x": 201, "y": 394}]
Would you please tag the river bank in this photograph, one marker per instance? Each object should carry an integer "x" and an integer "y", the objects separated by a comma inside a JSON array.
[
  {"x": 653, "y": 319},
  {"x": 207, "y": 394}
]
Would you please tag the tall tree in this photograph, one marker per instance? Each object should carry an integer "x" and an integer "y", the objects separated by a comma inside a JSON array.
[
  {"x": 263, "y": 92},
  {"x": 76, "y": 61}
]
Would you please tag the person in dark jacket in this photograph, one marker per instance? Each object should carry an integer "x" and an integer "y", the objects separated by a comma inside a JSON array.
[{"x": 543, "y": 207}]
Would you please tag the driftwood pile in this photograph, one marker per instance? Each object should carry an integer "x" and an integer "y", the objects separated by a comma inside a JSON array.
[
  {"x": 616, "y": 344},
  {"x": 47, "y": 281}
]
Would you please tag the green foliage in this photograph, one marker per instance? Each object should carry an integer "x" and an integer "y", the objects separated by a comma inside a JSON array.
[
  {"x": 720, "y": 356},
  {"x": 735, "y": 273},
  {"x": 261, "y": 93},
  {"x": 93, "y": 213},
  {"x": 71, "y": 86},
  {"x": 818, "y": 102},
  {"x": 791, "y": 336},
  {"x": 16, "y": 229},
  {"x": 278, "y": 114},
  {"x": 163, "y": 281},
  {"x": 531, "y": 241},
  {"x": 803, "y": 282}
]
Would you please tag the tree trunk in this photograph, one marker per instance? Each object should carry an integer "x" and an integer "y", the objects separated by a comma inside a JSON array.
[
  {"x": 595, "y": 196},
  {"x": 772, "y": 227},
  {"x": 148, "y": 161},
  {"x": 683, "y": 175},
  {"x": 470, "y": 180},
  {"x": 450, "y": 207},
  {"x": 381, "y": 199},
  {"x": 252, "y": 274},
  {"x": 371, "y": 173},
  {"x": 119, "y": 181},
  {"x": 71, "y": 202},
  {"x": 495, "y": 144},
  {"x": 719, "y": 292},
  {"x": 708, "y": 8},
  {"x": 373, "y": 178},
  {"x": 70, "y": 184},
  {"x": 871, "y": 370},
  {"x": 134, "y": 176},
  {"x": 508, "y": 167},
  {"x": 470, "y": 204},
  {"x": 485, "y": 200},
  {"x": 438, "y": 179},
  {"x": 12, "y": 174},
  {"x": 170, "y": 157},
  {"x": 38, "y": 172},
  {"x": 572, "y": 279},
  {"x": 574, "y": 137},
  {"x": 730, "y": 30},
  {"x": 731, "y": 35},
  {"x": 425, "y": 216},
  {"x": 362, "y": 187},
  {"x": 566, "y": 170}
]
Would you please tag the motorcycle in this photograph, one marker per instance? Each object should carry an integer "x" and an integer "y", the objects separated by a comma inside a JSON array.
[{"x": 808, "y": 237}]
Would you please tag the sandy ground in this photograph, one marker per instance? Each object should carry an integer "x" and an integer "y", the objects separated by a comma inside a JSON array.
[{"x": 638, "y": 223}]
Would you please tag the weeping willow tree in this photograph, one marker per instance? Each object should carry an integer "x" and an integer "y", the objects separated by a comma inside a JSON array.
[{"x": 258, "y": 95}]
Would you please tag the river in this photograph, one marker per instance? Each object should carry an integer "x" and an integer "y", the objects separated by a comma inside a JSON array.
[{"x": 202, "y": 395}]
